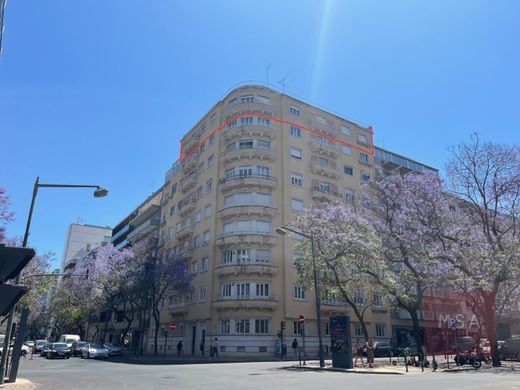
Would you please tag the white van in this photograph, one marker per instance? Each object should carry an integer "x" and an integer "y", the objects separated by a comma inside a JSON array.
[{"x": 69, "y": 339}]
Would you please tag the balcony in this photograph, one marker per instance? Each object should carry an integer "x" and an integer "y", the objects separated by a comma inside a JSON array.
[
  {"x": 187, "y": 207},
  {"x": 236, "y": 269},
  {"x": 248, "y": 132},
  {"x": 268, "y": 154},
  {"x": 191, "y": 141},
  {"x": 322, "y": 194},
  {"x": 246, "y": 302},
  {"x": 326, "y": 129},
  {"x": 188, "y": 182},
  {"x": 324, "y": 170},
  {"x": 246, "y": 238},
  {"x": 185, "y": 232},
  {"x": 179, "y": 309},
  {"x": 190, "y": 162},
  {"x": 253, "y": 210},
  {"x": 249, "y": 181},
  {"x": 327, "y": 149},
  {"x": 143, "y": 229},
  {"x": 367, "y": 163}
]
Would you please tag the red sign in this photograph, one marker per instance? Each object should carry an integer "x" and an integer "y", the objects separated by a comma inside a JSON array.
[
  {"x": 301, "y": 319},
  {"x": 173, "y": 326}
]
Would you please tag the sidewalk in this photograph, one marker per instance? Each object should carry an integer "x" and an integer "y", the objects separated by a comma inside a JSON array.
[{"x": 20, "y": 384}]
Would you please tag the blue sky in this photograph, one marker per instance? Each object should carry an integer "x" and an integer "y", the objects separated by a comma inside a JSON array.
[{"x": 100, "y": 92}]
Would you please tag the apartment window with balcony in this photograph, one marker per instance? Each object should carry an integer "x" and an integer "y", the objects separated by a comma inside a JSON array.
[
  {"x": 244, "y": 144},
  {"x": 192, "y": 296},
  {"x": 243, "y": 290},
  {"x": 198, "y": 217},
  {"x": 205, "y": 237},
  {"x": 263, "y": 171},
  {"x": 242, "y": 326},
  {"x": 299, "y": 293},
  {"x": 202, "y": 148},
  {"x": 233, "y": 123},
  {"x": 263, "y": 256},
  {"x": 211, "y": 161},
  {"x": 196, "y": 241},
  {"x": 296, "y": 204},
  {"x": 263, "y": 99},
  {"x": 263, "y": 122},
  {"x": 321, "y": 140},
  {"x": 209, "y": 186},
  {"x": 262, "y": 290},
  {"x": 380, "y": 330},
  {"x": 248, "y": 198},
  {"x": 208, "y": 211},
  {"x": 350, "y": 195},
  {"x": 346, "y": 150},
  {"x": 224, "y": 326},
  {"x": 202, "y": 294},
  {"x": 321, "y": 120},
  {"x": 204, "y": 263},
  {"x": 323, "y": 161},
  {"x": 296, "y": 179},
  {"x": 260, "y": 143},
  {"x": 324, "y": 186},
  {"x": 172, "y": 211},
  {"x": 194, "y": 267},
  {"x": 296, "y": 132},
  {"x": 247, "y": 226},
  {"x": 345, "y": 130},
  {"x": 296, "y": 153},
  {"x": 362, "y": 139},
  {"x": 226, "y": 290},
  {"x": 246, "y": 121},
  {"x": 294, "y": 111},
  {"x": 297, "y": 328},
  {"x": 212, "y": 140},
  {"x": 365, "y": 177},
  {"x": 363, "y": 157},
  {"x": 348, "y": 170},
  {"x": 245, "y": 170},
  {"x": 262, "y": 327},
  {"x": 229, "y": 173},
  {"x": 247, "y": 99},
  {"x": 227, "y": 257}
]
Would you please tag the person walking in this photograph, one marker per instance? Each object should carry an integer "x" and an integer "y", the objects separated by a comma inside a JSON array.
[
  {"x": 179, "y": 348},
  {"x": 370, "y": 353},
  {"x": 358, "y": 352},
  {"x": 201, "y": 347},
  {"x": 215, "y": 348},
  {"x": 295, "y": 347}
]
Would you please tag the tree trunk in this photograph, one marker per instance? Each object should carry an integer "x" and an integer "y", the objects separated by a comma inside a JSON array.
[
  {"x": 416, "y": 328},
  {"x": 491, "y": 326},
  {"x": 157, "y": 319}
]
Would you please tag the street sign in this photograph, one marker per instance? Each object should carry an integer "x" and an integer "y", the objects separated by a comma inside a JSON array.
[
  {"x": 173, "y": 326},
  {"x": 301, "y": 319}
]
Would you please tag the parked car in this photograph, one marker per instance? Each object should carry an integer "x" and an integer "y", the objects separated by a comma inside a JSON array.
[
  {"x": 381, "y": 349},
  {"x": 77, "y": 346},
  {"x": 69, "y": 339},
  {"x": 510, "y": 349},
  {"x": 58, "y": 350},
  {"x": 38, "y": 344},
  {"x": 466, "y": 343},
  {"x": 94, "y": 350},
  {"x": 113, "y": 350},
  {"x": 29, "y": 343},
  {"x": 25, "y": 350},
  {"x": 44, "y": 349}
]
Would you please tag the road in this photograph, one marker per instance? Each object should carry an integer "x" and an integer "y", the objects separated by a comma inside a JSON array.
[{"x": 80, "y": 374}]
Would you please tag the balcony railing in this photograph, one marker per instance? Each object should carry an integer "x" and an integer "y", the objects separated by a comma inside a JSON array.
[
  {"x": 247, "y": 238},
  {"x": 253, "y": 210},
  {"x": 323, "y": 148},
  {"x": 249, "y": 131},
  {"x": 259, "y": 181},
  {"x": 324, "y": 169},
  {"x": 320, "y": 193},
  {"x": 230, "y": 155}
]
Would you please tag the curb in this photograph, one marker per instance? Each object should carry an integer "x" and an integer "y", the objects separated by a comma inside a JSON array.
[{"x": 344, "y": 370}]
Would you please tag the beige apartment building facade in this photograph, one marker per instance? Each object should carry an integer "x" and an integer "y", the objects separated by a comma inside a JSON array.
[{"x": 252, "y": 162}]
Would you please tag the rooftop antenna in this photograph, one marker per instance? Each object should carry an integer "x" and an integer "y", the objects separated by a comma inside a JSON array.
[
  {"x": 282, "y": 81},
  {"x": 267, "y": 71}
]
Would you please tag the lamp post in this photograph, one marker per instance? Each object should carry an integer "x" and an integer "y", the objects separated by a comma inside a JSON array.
[
  {"x": 282, "y": 230},
  {"x": 98, "y": 193}
]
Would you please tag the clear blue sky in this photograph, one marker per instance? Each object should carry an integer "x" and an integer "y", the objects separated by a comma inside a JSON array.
[{"x": 101, "y": 91}]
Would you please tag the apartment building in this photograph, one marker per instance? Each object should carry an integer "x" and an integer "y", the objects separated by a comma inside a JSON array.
[{"x": 248, "y": 166}]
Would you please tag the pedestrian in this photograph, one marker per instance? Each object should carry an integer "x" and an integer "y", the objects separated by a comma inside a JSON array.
[
  {"x": 215, "y": 348},
  {"x": 358, "y": 352},
  {"x": 201, "y": 347},
  {"x": 370, "y": 353},
  {"x": 179, "y": 348},
  {"x": 295, "y": 347}
]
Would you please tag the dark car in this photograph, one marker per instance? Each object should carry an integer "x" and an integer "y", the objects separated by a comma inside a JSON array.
[
  {"x": 510, "y": 349},
  {"x": 77, "y": 346},
  {"x": 58, "y": 350},
  {"x": 381, "y": 349},
  {"x": 44, "y": 349},
  {"x": 39, "y": 344}
]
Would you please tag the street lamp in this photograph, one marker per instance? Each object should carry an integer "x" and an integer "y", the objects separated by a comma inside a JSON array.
[
  {"x": 282, "y": 230},
  {"x": 98, "y": 193}
]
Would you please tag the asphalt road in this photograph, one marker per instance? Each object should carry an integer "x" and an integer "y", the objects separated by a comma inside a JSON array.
[{"x": 77, "y": 373}]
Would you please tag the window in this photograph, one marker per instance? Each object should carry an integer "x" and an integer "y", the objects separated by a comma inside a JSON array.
[
  {"x": 358, "y": 329},
  {"x": 262, "y": 290},
  {"x": 205, "y": 237},
  {"x": 350, "y": 195},
  {"x": 321, "y": 140},
  {"x": 242, "y": 326},
  {"x": 296, "y": 205},
  {"x": 212, "y": 118},
  {"x": 224, "y": 326},
  {"x": 348, "y": 170},
  {"x": 198, "y": 217},
  {"x": 192, "y": 296},
  {"x": 358, "y": 298},
  {"x": 380, "y": 330},
  {"x": 262, "y": 326},
  {"x": 212, "y": 140},
  {"x": 194, "y": 267},
  {"x": 297, "y": 328},
  {"x": 211, "y": 160},
  {"x": 247, "y": 99},
  {"x": 263, "y": 99},
  {"x": 297, "y": 258},
  {"x": 262, "y": 171},
  {"x": 296, "y": 179},
  {"x": 226, "y": 290},
  {"x": 323, "y": 161},
  {"x": 263, "y": 122},
  {"x": 321, "y": 120},
  {"x": 365, "y": 177},
  {"x": 324, "y": 186},
  {"x": 174, "y": 189},
  {"x": 202, "y": 294},
  {"x": 363, "y": 157},
  {"x": 227, "y": 257},
  {"x": 296, "y": 132},
  {"x": 243, "y": 290},
  {"x": 362, "y": 139},
  {"x": 245, "y": 171},
  {"x": 345, "y": 130},
  {"x": 202, "y": 148},
  {"x": 295, "y": 111},
  {"x": 209, "y": 185},
  {"x": 263, "y": 256},
  {"x": 296, "y": 153},
  {"x": 205, "y": 264},
  {"x": 260, "y": 143},
  {"x": 245, "y": 144},
  {"x": 207, "y": 211},
  {"x": 172, "y": 212},
  {"x": 346, "y": 150},
  {"x": 246, "y": 121},
  {"x": 299, "y": 293},
  {"x": 378, "y": 300},
  {"x": 199, "y": 192},
  {"x": 196, "y": 241}
]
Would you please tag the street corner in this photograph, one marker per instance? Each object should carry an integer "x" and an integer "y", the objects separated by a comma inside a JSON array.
[
  {"x": 20, "y": 384},
  {"x": 378, "y": 370}
]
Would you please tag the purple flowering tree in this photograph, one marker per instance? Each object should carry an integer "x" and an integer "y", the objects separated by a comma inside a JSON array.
[
  {"x": 5, "y": 215},
  {"x": 345, "y": 243}
]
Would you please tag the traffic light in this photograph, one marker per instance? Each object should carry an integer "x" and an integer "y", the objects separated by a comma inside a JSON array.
[
  {"x": 282, "y": 325},
  {"x": 12, "y": 261}
]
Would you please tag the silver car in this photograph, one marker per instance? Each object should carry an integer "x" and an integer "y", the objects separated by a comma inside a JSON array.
[
  {"x": 94, "y": 350},
  {"x": 113, "y": 350}
]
